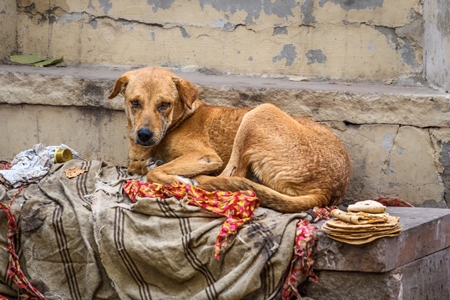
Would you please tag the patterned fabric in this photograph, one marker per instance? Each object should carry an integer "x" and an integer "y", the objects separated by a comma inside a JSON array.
[
  {"x": 4, "y": 165},
  {"x": 83, "y": 238},
  {"x": 14, "y": 270},
  {"x": 301, "y": 267},
  {"x": 238, "y": 207},
  {"x": 302, "y": 263}
]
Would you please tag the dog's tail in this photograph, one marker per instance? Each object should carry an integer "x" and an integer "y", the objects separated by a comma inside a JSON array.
[{"x": 270, "y": 198}]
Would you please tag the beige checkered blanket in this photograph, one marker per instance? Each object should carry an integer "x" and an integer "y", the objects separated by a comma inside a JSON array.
[{"x": 82, "y": 238}]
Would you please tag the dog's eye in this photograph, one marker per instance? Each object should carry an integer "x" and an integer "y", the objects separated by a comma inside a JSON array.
[
  {"x": 163, "y": 106},
  {"x": 135, "y": 103}
]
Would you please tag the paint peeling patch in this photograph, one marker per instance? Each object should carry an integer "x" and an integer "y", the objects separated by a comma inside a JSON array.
[
  {"x": 153, "y": 36},
  {"x": 51, "y": 19},
  {"x": 223, "y": 25},
  {"x": 93, "y": 24},
  {"x": 444, "y": 159},
  {"x": 106, "y": 5},
  {"x": 184, "y": 33},
  {"x": 160, "y": 4},
  {"x": 390, "y": 35},
  {"x": 315, "y": 56},
  {"x": 307, "y": 9},
  {"x": 287, "y": 53},
  {"x": 42, "y": 20},
  {"x": 354, "y": 4},
  {"x": 404, "y": 46},
  {"x": 280, "y": 30},
  {"x": 388, "y": 170},
  {"x": 253, "y": 8},
  {"x": 388, "y": 142},
  {"x": 408, "y": 54},
  {"x": 69, "y": 18}
]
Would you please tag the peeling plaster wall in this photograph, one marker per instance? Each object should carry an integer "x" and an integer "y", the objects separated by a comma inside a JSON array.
[
  {"x": 398, "y": 138},
  {"x": 437, "y": 42},
  {"x": 352, "y": 40},
  {"x": 8, "y": 17}
]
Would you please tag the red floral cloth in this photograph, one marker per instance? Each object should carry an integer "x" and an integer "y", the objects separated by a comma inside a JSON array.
[
  {"x": 301, "y": 267},
  {"x": 14, "y": 270},
  {"x": 4, "y": 165},
  {"x": 393, "y": 201},
  {"x": 238, "y": 207}
]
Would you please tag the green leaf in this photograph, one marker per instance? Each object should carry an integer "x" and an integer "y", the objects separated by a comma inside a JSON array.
[
  {"x": 26, "y": 59},
  {"x": 49, "y": 62}
]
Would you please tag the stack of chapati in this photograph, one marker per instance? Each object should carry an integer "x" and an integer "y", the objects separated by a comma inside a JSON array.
[{"x": 364, "y": 222}]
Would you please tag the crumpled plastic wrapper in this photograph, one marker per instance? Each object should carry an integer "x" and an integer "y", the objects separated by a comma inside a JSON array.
[{"x": 31, "y": 165}]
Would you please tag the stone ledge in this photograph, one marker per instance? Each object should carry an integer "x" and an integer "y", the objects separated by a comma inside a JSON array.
[
  {"x": 354, "y": 103},
  {"x": 424, "y": 231},
  {"x": 413, "y": 265},
  {"x": 425, "y": 278}
]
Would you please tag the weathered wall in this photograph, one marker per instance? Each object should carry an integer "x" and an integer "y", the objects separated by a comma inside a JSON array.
[
  {"x": 399, "y": 142},
  {"x": 354, "y": 40},
  {"x": 437, "y": 42},
  {"x": 8, "y": 18},
  {"x": 398, "y": 138}
]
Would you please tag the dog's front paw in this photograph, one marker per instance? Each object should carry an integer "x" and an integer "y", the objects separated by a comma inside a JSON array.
[
  {"x": 153, "y": 163},
  {"x": 187, "y": 181}
]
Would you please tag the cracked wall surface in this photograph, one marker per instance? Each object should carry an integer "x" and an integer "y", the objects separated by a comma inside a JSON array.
[
  {"x": 437, "y": 42},
  {"x": 351, "y": 40},
  {"x": 8, "y": 17}
]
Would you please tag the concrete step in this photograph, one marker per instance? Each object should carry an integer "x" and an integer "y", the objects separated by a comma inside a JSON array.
[
  {"x": 413, "y": 265},
  {"x": 398, "y": 137}
]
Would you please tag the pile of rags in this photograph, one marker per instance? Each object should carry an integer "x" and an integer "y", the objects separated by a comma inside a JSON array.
[{"x": 364, "y": 222}]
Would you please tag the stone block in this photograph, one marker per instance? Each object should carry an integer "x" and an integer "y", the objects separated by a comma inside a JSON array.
[
  {"x": 425, "y": 278},
  {"x": 424, "y": 231},
  {"x": 413, "y": 265}
]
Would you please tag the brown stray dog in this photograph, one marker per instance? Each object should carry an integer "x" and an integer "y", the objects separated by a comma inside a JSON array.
[{"x": 291, "y": 164}]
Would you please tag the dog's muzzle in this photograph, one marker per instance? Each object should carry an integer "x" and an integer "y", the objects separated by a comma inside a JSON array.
[{"x": 144, "y": 137}]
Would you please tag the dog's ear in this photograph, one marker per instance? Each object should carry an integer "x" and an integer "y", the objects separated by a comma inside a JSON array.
[
  {"x": 188, "y": 91},
  {"x": 120, "y": 84}
]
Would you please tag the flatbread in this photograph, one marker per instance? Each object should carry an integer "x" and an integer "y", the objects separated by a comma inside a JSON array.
[
  {"x": 369, "y": 206},
  {"x": 360, "y": 235},
  {"x": 392, "y": 221},
  {"x": 359, "y": 217},
  {"x": 361, "y": 241}
]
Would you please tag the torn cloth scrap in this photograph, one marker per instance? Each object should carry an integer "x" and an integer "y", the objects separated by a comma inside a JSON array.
[{"x": 237, "y": 207}]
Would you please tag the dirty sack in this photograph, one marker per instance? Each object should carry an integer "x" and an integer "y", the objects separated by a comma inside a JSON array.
[{"x": 83, "y": 238}]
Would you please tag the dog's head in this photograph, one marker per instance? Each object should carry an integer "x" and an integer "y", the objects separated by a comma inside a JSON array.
[{"x": 155, "y": 99}]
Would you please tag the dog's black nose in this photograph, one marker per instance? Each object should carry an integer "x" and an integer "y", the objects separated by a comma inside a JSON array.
[{"x": 144, "y": 136}]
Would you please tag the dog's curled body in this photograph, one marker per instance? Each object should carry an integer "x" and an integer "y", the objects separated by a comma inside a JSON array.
[{"x": 292, "y": 164}]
